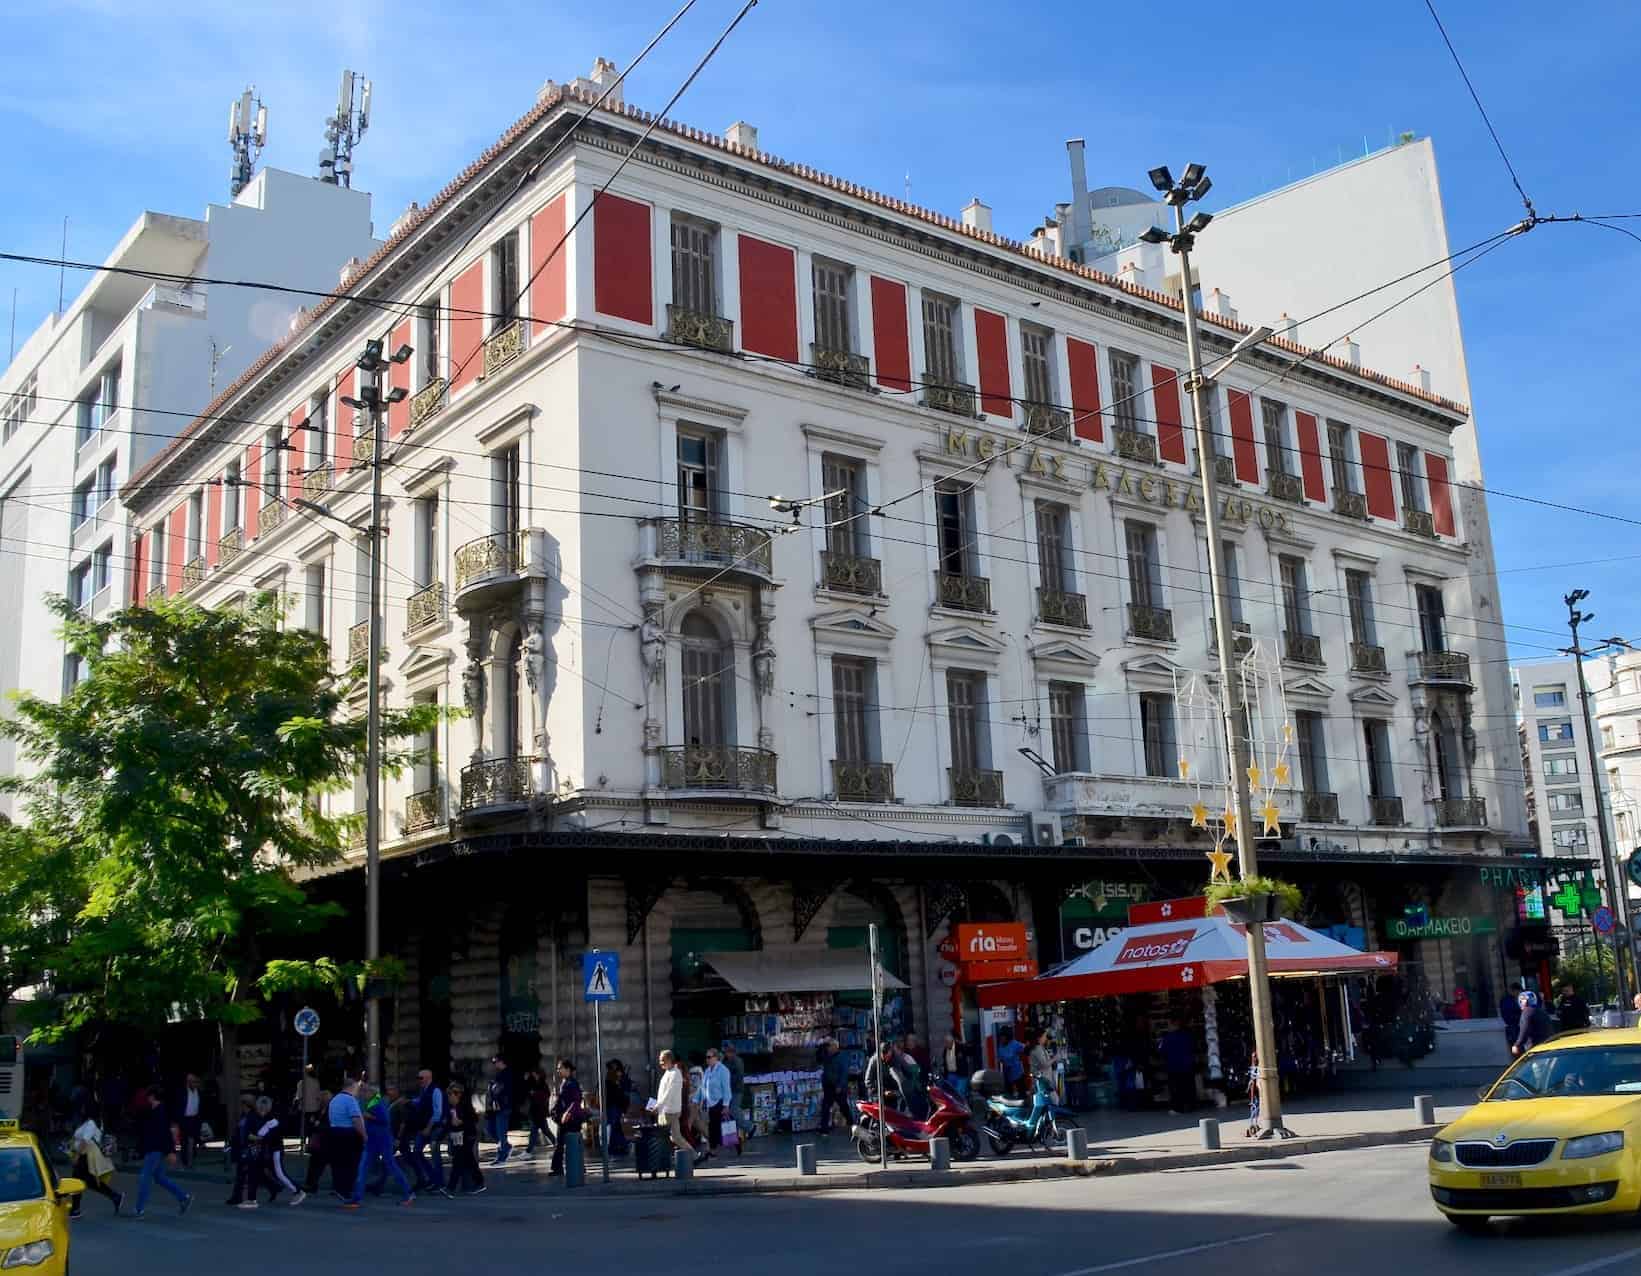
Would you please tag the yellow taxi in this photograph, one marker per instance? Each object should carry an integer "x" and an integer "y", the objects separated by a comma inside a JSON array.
[
  {"x": 1558, "y": 1133},
  {"x": 34, "y": 1205}
]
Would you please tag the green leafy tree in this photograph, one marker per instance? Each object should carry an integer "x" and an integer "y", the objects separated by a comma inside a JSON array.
[{"x": 174, "y": 811}]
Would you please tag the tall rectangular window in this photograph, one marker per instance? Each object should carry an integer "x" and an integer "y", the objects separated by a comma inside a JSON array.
[
  {"x": 79, "y": 584},
  {"x": 313, "y": 598},
  {"x": 1157, "y": 734},
  {"x": 1054, "y": 547},
  {"x": 1275, "y": 418},
  {"x": 694, "y": 265},
  {"x": 966, "y": 715},
  {"x": 1432, "y": 618},
  {"x": 1407, "y": 468},
  {"x": 100, "y": 403},
  {"x": 854, "y": 709},
  {"x": 84, "y": 502},
  {"x": 1311, "y": 741},
  {"x": 1037, "y": 363},
  {"x": 506, "y": 491},
  {"x": 940, "y": 339},
  {"x": 425, "y": 768},
  {"x": 157, "y": 542},
  {"x": 1125, "y": 390},
  {"x": 361, "y": 581},
  {"x": 1144, "y": 567},
  {"x": 231, "y": 484},
  {"x": 102, "y": 568},
  {"x": 1381, "y": 772},
  {"x": 196, "y": 525},
  {"x": 1359, "y": 599},
  {"x": 844, "y": 480},
  {"x": 504, "y": 271},
  {"x": 1231, "y": 571},
  {"x": 1339, "y": 458},
  {"x": 1296, "y": 598},
  {"x": 699, "y": 498},
  {"x": 427, "y": 539},
  {"x": 831, "y": 281},
  {"x": 954, "y": 506},
  {"x": 432, "y": 369},
  {"x": 105, "y": 483},
  {"x": 1068, "y": 730},
  {"x": 273, "y": 470}
]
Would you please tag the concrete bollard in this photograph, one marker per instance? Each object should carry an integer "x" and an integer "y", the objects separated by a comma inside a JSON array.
[
  {"x": 940, "y": 1154},
  {"x": 1424, "y": 1109},
  {"x": 1208, "y": 1127},
  {"x": 575, "y": 1162},
  {"x": 806, "y": 1158},
  {"x": 683, "y": 1163},
  {"x": 1076, "y": 1145}
]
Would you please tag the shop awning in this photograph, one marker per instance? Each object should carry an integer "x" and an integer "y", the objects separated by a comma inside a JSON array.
[
  {"x": 1189, "y": 953},
  {"x": 842, "y": 970}
]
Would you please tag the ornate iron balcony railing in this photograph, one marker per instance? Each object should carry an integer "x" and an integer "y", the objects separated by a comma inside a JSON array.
[
  {"x": 1304, "y": 648},
  {"x": 424, "y": 810},
  {"x": 1058, "y": 607},
  {"x": 1461, "y": 813},
  {"x": 954, "y": 397},
  {"x": 1419, "y": 522},
  {"x": 1367, "y": 658},
  {"x": 974, "y": 787},
  {"x": 427, "y": 402},
  {"x": 1350, "y": 505},
  {"x": 722, "y": 544},
  {"x": 499, "y": 554},
  {"x": 697, "y": 328},
  {"x": 863, "y": 781},
  {"x": 229, "y": 545},
  {"x": 316, "y": 482},
  {"x": 193, "y": 572},
  {"x": 270, "y": 516},
  {"x": 841, "y": 367},
  {"x": 1225, "y": 471},
  {"x": 1132, "y": 445},
  {"x": 850, "y": 574},
  {"x": 424, "y": 608},
  {"x": 1155, "y": 623},
  {"x": 364, "y": 448},
  {"x": 1048, "y": 422},
  {"x": 701, "y": 766},
  {"x": 497, "y": 782},
  {"x": 359, "y": 643},
  {"x": 963, "y": 593},
  {"x": 1442, "y": 666},
  {"x": 1242, "y": 637},
  {"x": 1286, "y": 487},
  {"x": 1386, "y": 811},
  {"x": 1319, "y": 808},
  {"x": 502, "y": 346}
]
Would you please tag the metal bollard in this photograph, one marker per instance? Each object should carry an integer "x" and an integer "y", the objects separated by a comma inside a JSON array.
[
  {"x": 1209, "y": 1129},
  {"x": 575, "y": 1164},
  {"x": 806, "y": 1158},
  {"x": 940, "y": 1154},
  {"x": 1076, "y": 1145},
  {"x": 683, "y": 1163},
  {"x": 1424, "y": 1109}
]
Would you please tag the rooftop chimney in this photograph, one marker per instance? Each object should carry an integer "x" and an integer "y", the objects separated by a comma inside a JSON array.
[
  {"x": 1421, "y": 376},
  {"x": 1286, "y": 326},
  {"x": 1352, "y": 352},
  {"x": 1219, "y": 304},
  {"x": 350, "y": 268},
  {"x": 594, "y": 83},
  {"x": 403, "y": 219},
  {"x": 743, "y": 135},
  {"x": 1077, "y": 230},
  {"x": 977, "y": 216}
]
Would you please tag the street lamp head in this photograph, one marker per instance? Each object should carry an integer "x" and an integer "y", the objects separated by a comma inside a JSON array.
[
  {"x": 1154, "y": 235},
  {"x": 403, "y": 353},
  {"x": 1252, "y": 339},
  {"x": 348, "y": 401},
  {"x": 313, "y": 507},
  {"x": 1194, "y": 173},
  {"x": 1576, "y": 597},
  {"x": 1199, "y": 189},
  {"x": 1199, "y": 223},
  {"x": 1161, "y": 178},
  {"x": 398, "y": 394}
]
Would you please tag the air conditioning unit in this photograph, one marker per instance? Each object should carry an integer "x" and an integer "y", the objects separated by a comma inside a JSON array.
[{"x": 1045, "y": 828}]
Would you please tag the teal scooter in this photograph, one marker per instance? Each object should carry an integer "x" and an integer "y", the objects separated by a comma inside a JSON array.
[{"x": 1010, "y": 1123}]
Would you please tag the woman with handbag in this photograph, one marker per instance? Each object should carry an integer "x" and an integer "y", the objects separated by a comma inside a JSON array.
[
  {"x": 91, "y": 1164},
  {"x": 464, "y": 1142},
  {"x": 568, "y": 1111}
]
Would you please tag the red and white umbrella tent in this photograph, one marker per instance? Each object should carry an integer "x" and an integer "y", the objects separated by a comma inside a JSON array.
[{"x": 1176, "y": 945}]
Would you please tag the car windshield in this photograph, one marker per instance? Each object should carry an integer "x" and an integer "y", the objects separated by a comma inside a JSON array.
[
  {"x": 19, "y": 1176},
  {"x": 1571, "y": 1071}
]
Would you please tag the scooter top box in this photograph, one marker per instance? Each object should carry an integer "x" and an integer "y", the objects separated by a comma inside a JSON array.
[{"x": 988, "y": 1083}]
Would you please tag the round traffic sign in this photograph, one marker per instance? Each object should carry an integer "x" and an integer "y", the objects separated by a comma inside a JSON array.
[
  {"x": 307, "y": 1021},
  {"x": 1602, "y": 920}
]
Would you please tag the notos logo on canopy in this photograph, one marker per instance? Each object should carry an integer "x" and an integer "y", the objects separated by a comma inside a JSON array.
[{"x": 1170, "y": 945}]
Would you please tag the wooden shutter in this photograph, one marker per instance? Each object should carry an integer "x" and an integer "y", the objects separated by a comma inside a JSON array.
[
  {"x": 769, "y": 299},
  {"x": 1243, "y": 448},
  {"x": 891, "y": 341},
  {"x": 1310, "y": 455},
  {"x": 1083, "y": 363},
  {"x": 1170, "y": 430},
  {"x": 991, "y": 347},
  {"x": 623, "y": 276},
  {"x": 1381, "y": 492}
]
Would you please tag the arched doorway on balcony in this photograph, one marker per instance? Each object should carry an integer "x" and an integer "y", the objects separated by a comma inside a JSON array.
[{"x": 707, "y": 668}]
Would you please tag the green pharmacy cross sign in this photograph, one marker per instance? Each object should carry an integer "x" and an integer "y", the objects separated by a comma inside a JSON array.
[{"x": 1576, "y": 898}]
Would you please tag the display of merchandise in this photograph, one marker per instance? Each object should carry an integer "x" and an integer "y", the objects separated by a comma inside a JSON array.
[
  {"x": 782, "y": 1021},
  {"x": 784, "y": 1100}
]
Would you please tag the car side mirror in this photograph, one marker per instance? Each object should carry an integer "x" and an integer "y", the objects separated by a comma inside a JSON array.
[{"x": 70, "y": 1187}]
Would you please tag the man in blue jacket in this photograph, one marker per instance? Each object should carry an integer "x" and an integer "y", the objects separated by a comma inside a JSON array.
[{"x": 426, "y": 1124}]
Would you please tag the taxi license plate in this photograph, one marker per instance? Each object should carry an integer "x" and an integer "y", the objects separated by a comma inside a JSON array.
[{"x": 1501, "y": 1180}]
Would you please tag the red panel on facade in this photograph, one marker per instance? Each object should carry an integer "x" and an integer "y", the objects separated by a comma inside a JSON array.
[
  {"x": 891, "y": 343},
  {"x": 253, "y": 490},
  {"x": 769, "y": 299},
  {"x": 991, "y": 348},
  {"x": 1381, "y": 492},
  {"x": 139, "y": 567},
  {"x": 549, "y": 289},
  {"x": 176, "y": 538},
  {"x": 213, "y": 519},
  {"x": 1170, "y": 431},
  {"x": 622, "y": 274},
  {"x": 1441, "y": 494},
  {"x": 1310, "y": 456},
  {"x": 1242, "y": 436},
  {"x": 342, "y": 450},
  {"x": 296, "y": 457},
  {"x": 1083, "y": 363},
  {"x": 466, "y": 326},
  {"x": 398, "y": 414}
]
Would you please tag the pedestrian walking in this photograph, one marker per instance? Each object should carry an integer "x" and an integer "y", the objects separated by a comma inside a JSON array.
[
  {"x": 538, "y": 1099},
  {"x": 239, "y": 1152},
  {"x": 92, "y": 1166},
  {"x": 1179, "y": 1060},
  {"x": 190, "y": 1116},
  {"x": 1009, "y": 1055},
  {"x": 268, "y": 1152},
  {"x": 157, "y": 1143},
  {"x": 341, "y": 1144},
  {"x": 305, "y": 1104},
  {"x": 695, "y": 1123},
  {"x": 1510, "y": 1012},
  {"x": 1040, "y": 1061},
  {"x": 427, "y": 1123},
  {"x": 834, "y": 1070},
  {"x": 1252, "y": 1132},
  {"x": 464, "y": 1142},
  {"x": 1535, "y": 1025},
  {"x": 379, "y": 1153},
  {"x": 617, "y": 1101},
  {"x": 670, "y": 1097},
  {"x": 716, "y": 1092},
  {"x": 1572, "y": 1011},
  {"x": 569, "y": 1112},
  {"x": 498, "y": 1107},
  {"x": 737, "y": 1078}
]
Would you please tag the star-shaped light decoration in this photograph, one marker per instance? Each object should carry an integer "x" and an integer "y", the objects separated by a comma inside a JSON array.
[
  {"x": 1185, "y": 768},
  {"x": 1254, "y": 775},
  {"x": 1230, "y": 821},
  {"x": 1270, "y": 815},
  {"x": 1222, "y": 864},
  {"x": 1287, "y": 733},
  {"x": 1199, "y": 816},
  {"x": 1281, "y": 773}
]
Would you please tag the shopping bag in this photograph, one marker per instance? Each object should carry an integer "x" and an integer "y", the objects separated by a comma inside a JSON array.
[{"x": 731, "y": 1134}]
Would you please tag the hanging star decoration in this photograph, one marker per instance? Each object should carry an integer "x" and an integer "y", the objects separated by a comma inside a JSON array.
[
  {"x": 1185, "y": 768},
  {"x": 1255, "y": 775},
  {"x": 1270, "y": 738},
  {"x": 1199, "y": 815},
  {"x": 1281, "y": 772},
  {"x": 1271, "y": 816},
  {"x": 1222, "y": 865}
]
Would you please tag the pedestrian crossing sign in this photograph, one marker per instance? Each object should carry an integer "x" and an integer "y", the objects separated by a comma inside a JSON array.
[{"x": 601, "y": 975}]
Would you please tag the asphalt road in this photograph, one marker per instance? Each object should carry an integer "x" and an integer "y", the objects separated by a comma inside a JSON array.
[{"x": 1359, "y": 1213}]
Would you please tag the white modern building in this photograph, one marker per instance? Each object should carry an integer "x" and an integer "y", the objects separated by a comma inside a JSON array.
[
  {"x": 100, "y": 389},
  {"x": 1561, "y": 776},
  {"x": 941, "y": 682}
]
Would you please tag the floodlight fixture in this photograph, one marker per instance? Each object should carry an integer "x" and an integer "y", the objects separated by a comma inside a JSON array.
[
  {"x": 1155, "y": 235},
  {"x": 1161, "y": 178}
]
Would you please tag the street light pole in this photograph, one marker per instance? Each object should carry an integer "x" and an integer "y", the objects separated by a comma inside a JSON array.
[
  {"x": 1617, "y": 891},
  {"x": 1194, "y": 186}
]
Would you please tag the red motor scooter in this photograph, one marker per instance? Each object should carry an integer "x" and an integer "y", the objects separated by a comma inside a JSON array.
[{"x": 948, "y": 1119}]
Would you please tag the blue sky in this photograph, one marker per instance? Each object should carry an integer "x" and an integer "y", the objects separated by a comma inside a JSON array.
[{"x": 108, "y": 108}]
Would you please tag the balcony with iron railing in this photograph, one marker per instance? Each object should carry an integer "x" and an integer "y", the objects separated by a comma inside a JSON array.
[
  {"x": 270, "y": 516},
  {"x": 1451, "y": 668},
  {"x": 698, "y": 328},
  {"x": 718, "y": 768},
  {"x": 1242, "y": 637},
  {"x": 424, "y": 810},
  {"x": 1286, "y": 487},
  {"x": 1461, "y": 813},
  {"x": 719, "y": 548},
  {"x": 851, "y": 574},
  {"x": 427, "y": 402},
  {"x": 1386, "y": 812},
  {"x": 840, "y": 367},
  {"x": 954, "y": 397},
  {"x": 1350, "y": 505},
  {"x": 424, "y": 609},
  {"x": 1154, "y": 624},
  {"x": 317, "y": 482},
  {"x": 359, "y": 642},
  {"x": 497, "y": 782},
  {"x": 1061, "y": 607},
  {"x": 962, "y": 592},
  {"x": 229, "y": 546},
  {"x": 1419, "y": 522},
  {"x": 493, "y": 566},
  {"x": 1134, "y": 445},
  {"x": 1319, "y": 808},
  {"x": 1365, "y": 657},
  {"x": 1048, "y": 422},
  {"x": 863, "y": 781},
  {"x": 193, "y": 572},
  {"x": 364, "y": 448},
  {"x": 1302, "y": 648},
  {"x": 1224, "y": 471},
  {"x": 502, "y": 346},
  {"x": 975, "y": 786}
]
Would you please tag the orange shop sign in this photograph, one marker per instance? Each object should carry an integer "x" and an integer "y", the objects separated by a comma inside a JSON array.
[
  {"x": 991, "y": 941},
  {"x": 991, "y": 972}
]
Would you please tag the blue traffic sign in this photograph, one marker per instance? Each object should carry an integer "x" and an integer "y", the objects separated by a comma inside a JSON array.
[
  {"x": 1602, "y": 920},
  {"x": 601, "y": 975},
  {"x": 307, "y": 1021}
]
